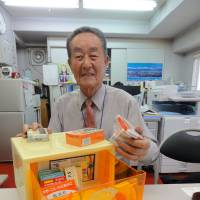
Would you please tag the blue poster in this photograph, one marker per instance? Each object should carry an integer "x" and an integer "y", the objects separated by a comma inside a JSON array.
[{"x": 144, "y": 71}]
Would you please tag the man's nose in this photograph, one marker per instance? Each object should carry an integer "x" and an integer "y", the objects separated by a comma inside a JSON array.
[{"x": 86, "y": 62}]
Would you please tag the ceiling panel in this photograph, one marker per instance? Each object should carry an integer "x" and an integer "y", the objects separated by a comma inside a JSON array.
[{"x": 34, "y": 25}]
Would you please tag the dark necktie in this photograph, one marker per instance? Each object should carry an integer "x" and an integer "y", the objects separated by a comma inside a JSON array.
[{"x": 89, "y": 114}]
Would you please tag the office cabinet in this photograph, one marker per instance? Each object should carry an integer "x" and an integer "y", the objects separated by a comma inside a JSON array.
[
  {"x": 153, "y": 127},
  {"x": 153, "y": 124}
]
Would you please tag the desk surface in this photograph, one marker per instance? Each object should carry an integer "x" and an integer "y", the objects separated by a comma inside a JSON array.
[
  {"x": 151, "y": 192},
  {"x": 169, "y": 191}
]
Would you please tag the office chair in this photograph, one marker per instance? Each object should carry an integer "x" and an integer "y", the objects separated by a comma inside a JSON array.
[{"x": 183, "y": 146}]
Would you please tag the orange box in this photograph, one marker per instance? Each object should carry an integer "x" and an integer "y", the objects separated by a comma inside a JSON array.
[
  {"x": 60, "y": 190},
  {"x": 84, "y": 137},
  {"x": 51, "y": 181},
  {"x": 114, "y": 180}
]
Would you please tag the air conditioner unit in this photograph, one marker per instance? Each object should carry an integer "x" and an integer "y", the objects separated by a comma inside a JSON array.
[{"x": 37, "y": 56}]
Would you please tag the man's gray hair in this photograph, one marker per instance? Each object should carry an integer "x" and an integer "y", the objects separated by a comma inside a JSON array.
[{"x": 87, "y": 29}]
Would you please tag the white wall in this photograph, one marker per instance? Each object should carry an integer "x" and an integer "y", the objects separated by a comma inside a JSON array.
[
  {"x": 7, "y": 42},
  {"x": 188, "y": 41},
  {"x": 118, "y": 65},
  {"x": 188, "y": 66},
  {"x": 172, "y": 62},
  {"x": 189, "y": 44},
  {"x": 59, "y": 55},
  {"x": 177, "y": 67},
  {"x": 57, "y": 47},
  {"x": 25, "y": 64}
]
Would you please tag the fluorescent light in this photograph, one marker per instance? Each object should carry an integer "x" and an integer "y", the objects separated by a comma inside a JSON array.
[
  {"x": 43, "y": 3},
  {"x": 136, "y": 5}
]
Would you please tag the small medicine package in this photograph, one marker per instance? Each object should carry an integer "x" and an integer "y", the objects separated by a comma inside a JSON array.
[
  {"x": 84, "y": 137},
  {"x": 38, "y": 135},
  {"x": 122, "y": 126}
]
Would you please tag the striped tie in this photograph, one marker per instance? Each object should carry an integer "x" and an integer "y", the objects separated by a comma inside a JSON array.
[{"x": 89, "y": 114}]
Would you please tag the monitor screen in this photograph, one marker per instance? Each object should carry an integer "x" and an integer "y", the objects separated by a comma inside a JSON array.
[
  {"x": 144, "y": 71},
  {"x": 131, "y": 89}
]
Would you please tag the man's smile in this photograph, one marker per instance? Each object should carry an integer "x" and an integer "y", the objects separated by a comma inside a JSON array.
[{"x": 87, "y": 74}]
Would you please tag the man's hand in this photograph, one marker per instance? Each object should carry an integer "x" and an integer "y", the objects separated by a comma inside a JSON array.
[
  {"x": 132, "y": 149},
  {"x": 34, "y": 127}
]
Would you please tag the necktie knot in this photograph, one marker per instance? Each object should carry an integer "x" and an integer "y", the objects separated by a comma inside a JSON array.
[{"x": 88, "y": 103}]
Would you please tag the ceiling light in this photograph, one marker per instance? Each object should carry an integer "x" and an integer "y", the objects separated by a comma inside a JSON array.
[
  {"x": 134, "y": 5},
  {"x": 43, "y": 3}
]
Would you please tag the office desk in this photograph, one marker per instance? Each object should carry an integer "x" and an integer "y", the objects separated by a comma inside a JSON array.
[
  {"x": 153, "y": 123},
  {"x": 151, "y": 192},
  {"x": 9, "y": 194},
  {"x": 168, "y": 191}
]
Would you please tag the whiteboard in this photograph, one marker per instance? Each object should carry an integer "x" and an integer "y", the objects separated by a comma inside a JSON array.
[{"x": 50, "y": 74}]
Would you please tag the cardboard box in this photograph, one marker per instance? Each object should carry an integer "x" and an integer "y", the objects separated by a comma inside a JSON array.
[{"x": 84, "y": 137}]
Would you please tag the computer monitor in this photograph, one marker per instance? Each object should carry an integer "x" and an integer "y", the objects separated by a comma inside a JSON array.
[{"x": 131, "y": 89}]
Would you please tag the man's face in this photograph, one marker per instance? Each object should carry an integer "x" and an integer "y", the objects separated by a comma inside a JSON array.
[{"x": 88, "y": 61}]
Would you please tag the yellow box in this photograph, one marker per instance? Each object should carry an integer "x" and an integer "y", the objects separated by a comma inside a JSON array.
[{"x": 112, "y": 179}]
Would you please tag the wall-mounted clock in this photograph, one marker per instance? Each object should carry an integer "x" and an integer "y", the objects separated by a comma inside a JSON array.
[{"x": 2, "y": 24}]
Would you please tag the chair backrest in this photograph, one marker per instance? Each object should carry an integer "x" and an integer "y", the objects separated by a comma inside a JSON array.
[{"x": 183, "y": 146}]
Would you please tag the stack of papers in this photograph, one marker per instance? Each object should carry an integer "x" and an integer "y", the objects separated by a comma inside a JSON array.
[{"x": 147, "y": 110}]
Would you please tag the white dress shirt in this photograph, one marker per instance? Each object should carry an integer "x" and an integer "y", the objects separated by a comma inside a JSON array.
[{"x": 68, "y": 114}]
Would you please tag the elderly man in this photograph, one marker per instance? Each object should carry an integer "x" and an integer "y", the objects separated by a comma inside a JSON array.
[{"x": 96, "y": 104}]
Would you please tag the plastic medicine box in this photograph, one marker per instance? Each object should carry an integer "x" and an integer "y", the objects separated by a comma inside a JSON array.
[{"x": 110, "y": 179}]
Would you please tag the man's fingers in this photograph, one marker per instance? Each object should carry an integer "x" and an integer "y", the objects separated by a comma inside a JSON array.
[
  {"x": 49, "y": 130},
  {"x": 34, "y": 126},
  {"x": 19, "y": 135},
  {"x": 25, "y": 128},
  {"x": 40, "y": 126},
  {"x": 126, "y": 155},
  {"x": 139, "y": 129},
  {"x": 131, "y": 149}
]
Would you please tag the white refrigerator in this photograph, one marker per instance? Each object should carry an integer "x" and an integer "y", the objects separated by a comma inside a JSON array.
[{"x": 16, "y": 108}]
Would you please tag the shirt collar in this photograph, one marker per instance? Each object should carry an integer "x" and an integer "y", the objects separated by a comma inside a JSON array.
[{"x": 97, "y": 99}]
